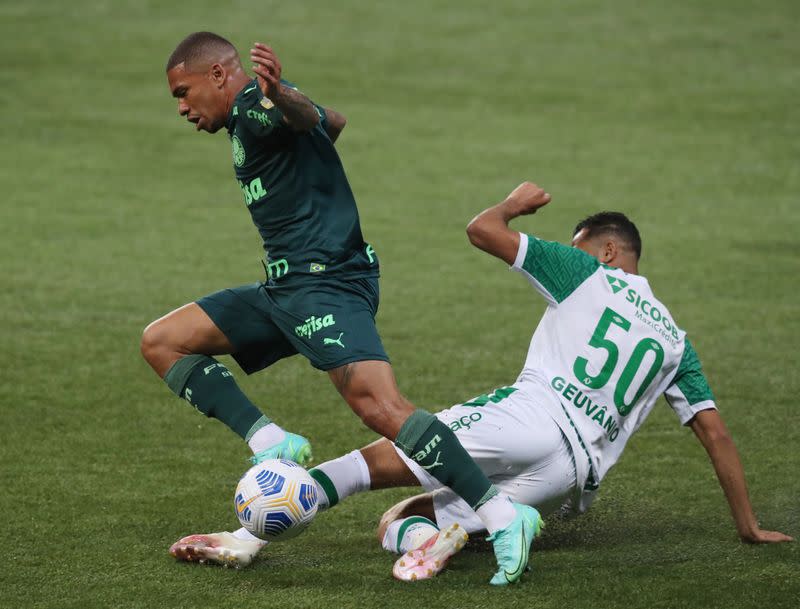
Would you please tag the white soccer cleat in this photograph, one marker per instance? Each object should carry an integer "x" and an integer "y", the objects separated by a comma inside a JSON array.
[
  {"x": 218, "y": 548},
  {"x": 431, "y": 557}
]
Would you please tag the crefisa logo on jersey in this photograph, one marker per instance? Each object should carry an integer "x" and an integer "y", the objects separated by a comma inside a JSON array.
[
  {"x": 238, "y": 151},
  {"x": 261, "y": 117}
]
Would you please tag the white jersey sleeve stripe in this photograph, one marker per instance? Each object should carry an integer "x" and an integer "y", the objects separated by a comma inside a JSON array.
[
  {"x": 522, "y": 252},
  {"x": 683, "y": 407},
  {"x": 689, "y": 393},
  {"x": 559, "y": 270}
]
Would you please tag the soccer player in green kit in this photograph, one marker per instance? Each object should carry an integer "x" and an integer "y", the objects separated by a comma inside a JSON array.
[{"x": 321, "y": 295}]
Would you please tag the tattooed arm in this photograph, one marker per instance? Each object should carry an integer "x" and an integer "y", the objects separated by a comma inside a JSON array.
[{"x": 298, "y": 111}]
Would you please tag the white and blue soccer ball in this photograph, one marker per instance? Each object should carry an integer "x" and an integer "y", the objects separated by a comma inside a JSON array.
[{"x": 276, "y": 500}]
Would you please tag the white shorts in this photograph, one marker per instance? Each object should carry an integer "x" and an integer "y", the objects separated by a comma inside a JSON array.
[{"x": 518, "y": 446}]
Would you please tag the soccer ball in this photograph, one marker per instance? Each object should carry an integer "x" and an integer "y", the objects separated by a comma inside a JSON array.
[{"x": 276, "y": 500}]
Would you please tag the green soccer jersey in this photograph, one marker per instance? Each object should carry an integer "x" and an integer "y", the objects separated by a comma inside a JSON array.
[{"x": 297, "y": 193}]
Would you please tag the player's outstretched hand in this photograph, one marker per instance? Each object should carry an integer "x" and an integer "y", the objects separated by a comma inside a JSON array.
[
  {"x": 527, "y": 198},
  {"x": 762, "y": 536},
  {"x": 267, "y": 68}
]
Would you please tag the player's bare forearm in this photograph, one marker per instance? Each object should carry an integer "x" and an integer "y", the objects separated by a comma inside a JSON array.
[
  {"x": 728, "y": 467},
  {"x": 334, "y": 123},
  {"x": 489, "y": 230},
  {"x": 712, "y": 433},
  {"x": 298, "y": 111}
]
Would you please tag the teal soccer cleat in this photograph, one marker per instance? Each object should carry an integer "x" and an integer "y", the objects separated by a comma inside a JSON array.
[
  {"x": 294, "y": 448},
  {"x": 512, "y": 545}
]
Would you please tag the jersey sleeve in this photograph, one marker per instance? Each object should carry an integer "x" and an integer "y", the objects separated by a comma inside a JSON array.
[
  {"x": 555, "y": 270},
  {"x": 689, "y": 392},
  {"x": 264, "y": 117},
  {"x": 261, "y": 117}
]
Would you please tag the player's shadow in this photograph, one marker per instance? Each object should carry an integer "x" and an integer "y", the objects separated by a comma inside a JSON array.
[{"x": 615, "y": 523}]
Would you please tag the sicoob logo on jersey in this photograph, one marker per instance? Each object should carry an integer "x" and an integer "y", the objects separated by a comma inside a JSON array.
[{"x": 238, "y": 151}]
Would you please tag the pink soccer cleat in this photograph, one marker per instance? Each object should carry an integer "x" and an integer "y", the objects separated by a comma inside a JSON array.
[
  {"x": 431, "y": 557},
  {"x": 218, "y": 548}
]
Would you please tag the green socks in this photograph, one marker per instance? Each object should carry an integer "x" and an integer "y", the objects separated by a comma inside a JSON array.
[
  {"x": 209, "y": 386},
  {"x": 433, "y": 445}
]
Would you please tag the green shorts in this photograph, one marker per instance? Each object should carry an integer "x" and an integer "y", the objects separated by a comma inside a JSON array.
[{"x": 331, "y": 322}]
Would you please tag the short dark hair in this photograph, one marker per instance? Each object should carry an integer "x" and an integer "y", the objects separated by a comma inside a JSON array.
[
  {"x": 615, "y": 223},
  {"x": 197, "y": 47}
]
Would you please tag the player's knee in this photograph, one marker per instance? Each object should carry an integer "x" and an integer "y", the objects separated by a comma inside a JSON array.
[
  {"x": 383, "y": 416},
  {"x": 374, "y": 417},
  {"x": 149, "y": 342},
  {"x": 155, "y": 343}
]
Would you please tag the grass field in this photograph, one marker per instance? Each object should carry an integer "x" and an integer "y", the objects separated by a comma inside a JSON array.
[{"x": 682, "y": 114}]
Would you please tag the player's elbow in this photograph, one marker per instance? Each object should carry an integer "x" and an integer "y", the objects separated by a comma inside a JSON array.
[
  {"x": 305, "y": 124},
  {"x": 476, "y": 233},
  {"x": 719, "y": 436},
  {"x": 334, "y": 123},
  {"x": 337, "y": 121},
  {"x": 710, "y": 428},
  {"x": 480, "y": 234}
]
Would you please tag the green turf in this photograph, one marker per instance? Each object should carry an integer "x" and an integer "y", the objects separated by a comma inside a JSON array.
[{"x": 683, "y": 114}]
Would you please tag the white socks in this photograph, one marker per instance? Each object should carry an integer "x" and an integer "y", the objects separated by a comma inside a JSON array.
[
  {"x": 408, "y": 534},
  {"x": 497, "y": 513},
  {"x": 340, "y": 478},
  {"x": 266, "y": 437}
]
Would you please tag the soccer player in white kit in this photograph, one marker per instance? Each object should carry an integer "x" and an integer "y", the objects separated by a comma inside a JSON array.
[{"x": 605, "y": 349}]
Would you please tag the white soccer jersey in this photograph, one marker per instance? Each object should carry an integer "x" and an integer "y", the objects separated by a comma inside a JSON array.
[{"x": 605, "y": 349}]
